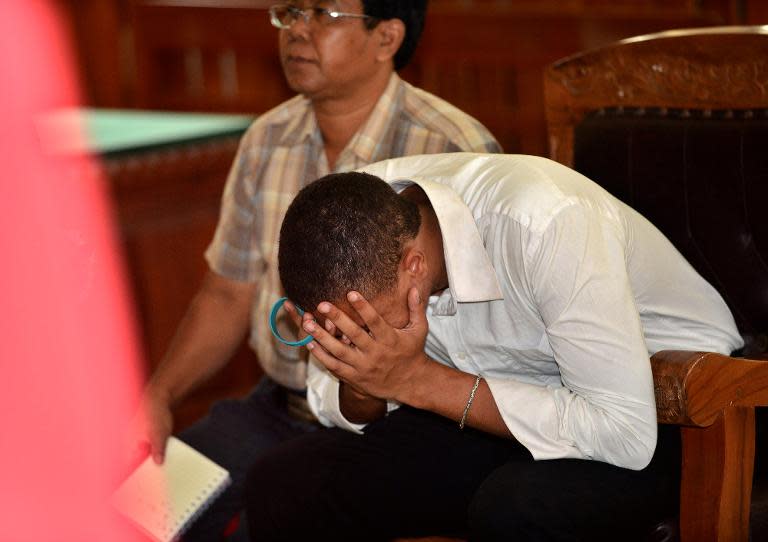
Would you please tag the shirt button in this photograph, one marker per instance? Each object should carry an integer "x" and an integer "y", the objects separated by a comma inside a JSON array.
[{"x": 461, "y": 355}]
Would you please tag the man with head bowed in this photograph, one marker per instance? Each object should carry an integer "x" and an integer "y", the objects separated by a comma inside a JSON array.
[{"x": 482, "y": 327}]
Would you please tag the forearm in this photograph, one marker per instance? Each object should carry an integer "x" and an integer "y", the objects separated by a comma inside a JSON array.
[
  {"x": 206, "y": 339},
  {"x": 360, "y": 408},
  {"x": 445, "y": 391}
]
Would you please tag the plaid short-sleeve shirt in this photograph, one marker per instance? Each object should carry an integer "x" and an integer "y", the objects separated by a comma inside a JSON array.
[{"x": 281, "y": 153}]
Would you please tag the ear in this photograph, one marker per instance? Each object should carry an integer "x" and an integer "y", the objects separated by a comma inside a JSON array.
[
  {"x": 414, "y": 265},
  {"x": 390, "y": 34}
]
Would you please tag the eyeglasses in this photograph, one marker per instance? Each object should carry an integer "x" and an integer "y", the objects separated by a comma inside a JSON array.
[{"x": 284, "y": 15}]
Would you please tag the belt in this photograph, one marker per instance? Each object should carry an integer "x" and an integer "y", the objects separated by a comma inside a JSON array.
[{"x": 297, "y": 406}]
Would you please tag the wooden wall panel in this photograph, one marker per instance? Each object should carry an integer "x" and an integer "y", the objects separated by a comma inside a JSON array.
[
  {"x": 486, "y": 56},
  {"x": 102, "y": 40},
  {"x": 490, "y": 64},
  {"x": 757, "y": 13},
  {"x": 207, "y": 59}
]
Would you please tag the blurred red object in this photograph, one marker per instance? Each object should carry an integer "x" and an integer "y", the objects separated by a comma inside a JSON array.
[{"x": 68, "y": 357}]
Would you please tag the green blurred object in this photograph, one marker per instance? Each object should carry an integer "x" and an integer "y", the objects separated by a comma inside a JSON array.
[{"x": 111, "y": 132}]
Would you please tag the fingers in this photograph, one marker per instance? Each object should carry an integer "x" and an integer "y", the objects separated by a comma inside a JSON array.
[
  {"x": 290, "y": 308},
  {"x": 378, "y": 327},
  {"x": 340, "y": 369},
  {"x": 298, "y": 319},
  {"x": 157, "y": 444},
  {"x": 331, "y": 328},
  {"x": 328, "y": 341},
  {"x": 147, "y": 441},
  {"x": 345, "y": 324},
  {"x": 417, "y": 311},
  {"x": 158, "y": 432},
  {"x": 322, "y": 349},
  {"x": 159, "y": 421}
]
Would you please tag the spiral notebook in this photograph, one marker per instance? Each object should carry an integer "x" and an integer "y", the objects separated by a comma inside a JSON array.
[{"x": 164, "y": 500}]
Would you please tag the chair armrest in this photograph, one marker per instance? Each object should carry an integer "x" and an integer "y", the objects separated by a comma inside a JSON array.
[{"x": 693, "y": 388}]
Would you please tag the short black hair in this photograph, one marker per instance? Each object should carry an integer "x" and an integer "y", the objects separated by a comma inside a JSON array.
[
  {"x": 345, "y": 231},
  {"x": 411, "y": 12}
]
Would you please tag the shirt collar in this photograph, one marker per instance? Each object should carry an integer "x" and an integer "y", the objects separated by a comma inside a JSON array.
[
  {"x": 366, "y": 144},
  {"x": 471, "y": 276}
]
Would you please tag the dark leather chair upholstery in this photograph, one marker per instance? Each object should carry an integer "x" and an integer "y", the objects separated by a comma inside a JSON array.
[
  {"x": 676, "y": 125},
  {"x": 702, "y": 178}
]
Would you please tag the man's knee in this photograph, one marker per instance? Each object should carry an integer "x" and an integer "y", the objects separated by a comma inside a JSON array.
[
  {"x": 499, "y": 512},
  {"x": 287, "y": 489},
  {"x": 271, "y": 486}
]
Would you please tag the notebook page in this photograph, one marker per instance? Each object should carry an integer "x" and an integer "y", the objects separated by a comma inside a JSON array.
[{"x": 164, "y": 499}]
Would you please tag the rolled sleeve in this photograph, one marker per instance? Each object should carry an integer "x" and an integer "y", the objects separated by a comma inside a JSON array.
[
  {"x": 323, "y": 398},
  {"x": 537, "y": 429}
]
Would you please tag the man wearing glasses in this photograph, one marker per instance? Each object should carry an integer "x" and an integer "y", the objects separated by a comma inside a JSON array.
[{"x": 352, "y": 109}]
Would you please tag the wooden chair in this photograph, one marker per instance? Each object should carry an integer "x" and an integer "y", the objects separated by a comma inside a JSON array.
[{"x": 676, "y": 125}]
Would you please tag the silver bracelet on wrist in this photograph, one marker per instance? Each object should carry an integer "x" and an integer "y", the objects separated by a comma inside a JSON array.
[{"x": 469, "y": 402}]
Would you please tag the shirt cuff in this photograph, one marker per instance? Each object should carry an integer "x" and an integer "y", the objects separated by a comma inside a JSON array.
[{"x": 323, "y": 398}]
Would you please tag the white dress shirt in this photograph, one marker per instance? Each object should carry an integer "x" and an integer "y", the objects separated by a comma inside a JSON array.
[{"x": 558, "y": 294}]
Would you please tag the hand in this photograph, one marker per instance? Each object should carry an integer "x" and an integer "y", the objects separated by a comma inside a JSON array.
[
  {"x": 299, "y": 320},
  {"x": 356, "y": 406},
  {"x": 383, "y": 362},
  {"x": 151, "y": 427}
]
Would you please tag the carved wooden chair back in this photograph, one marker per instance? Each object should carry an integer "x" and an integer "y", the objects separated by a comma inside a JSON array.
[{"x": 676, "y": 125}]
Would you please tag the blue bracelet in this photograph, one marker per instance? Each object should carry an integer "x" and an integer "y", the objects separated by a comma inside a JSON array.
[{"x": 273, "y": 324}]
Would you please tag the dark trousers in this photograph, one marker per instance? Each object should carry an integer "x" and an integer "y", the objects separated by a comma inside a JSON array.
[{"x": 414, "y": 474}]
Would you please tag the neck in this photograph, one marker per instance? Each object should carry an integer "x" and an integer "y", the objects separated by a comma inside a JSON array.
[
  {"x": 341, "y": 117},
  {"x": 433, "y": 245}
]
